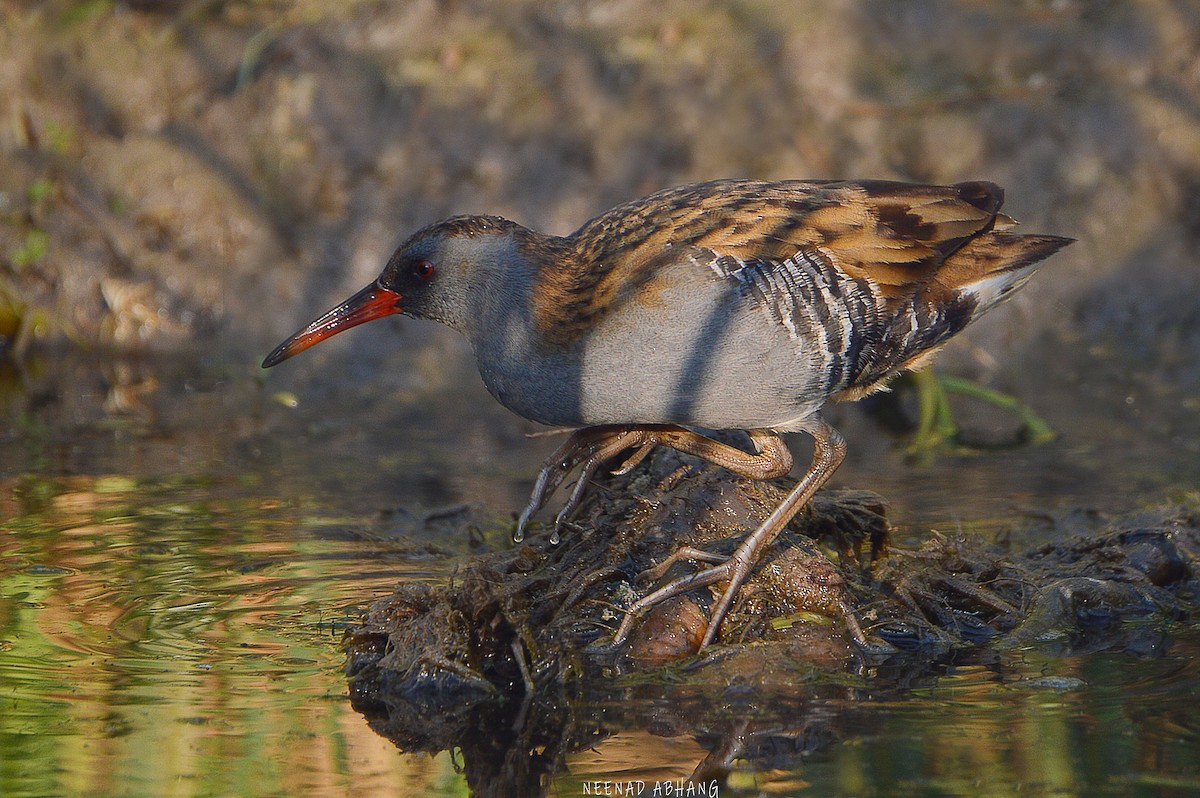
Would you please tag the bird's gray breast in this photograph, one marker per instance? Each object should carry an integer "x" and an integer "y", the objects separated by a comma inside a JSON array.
[
  {"x": 705, "y": 344},
  {"x": 709, "y": 341}
]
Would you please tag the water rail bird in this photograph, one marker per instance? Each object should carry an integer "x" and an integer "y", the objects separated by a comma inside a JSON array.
[{"x": 729, "y": 304}]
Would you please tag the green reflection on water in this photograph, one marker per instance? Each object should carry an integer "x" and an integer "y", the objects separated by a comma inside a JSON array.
[
  {"x": 1109, "y": 724},
  {"x": 157, "y": 638}
]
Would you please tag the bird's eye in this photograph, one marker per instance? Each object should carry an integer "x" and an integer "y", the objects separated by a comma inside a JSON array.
[{"x": 423, "y": 269}]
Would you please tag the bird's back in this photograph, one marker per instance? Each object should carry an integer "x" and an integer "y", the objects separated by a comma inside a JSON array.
[
  {"x": 905, "y": 265},
  {"x": 749, "y": 303}
]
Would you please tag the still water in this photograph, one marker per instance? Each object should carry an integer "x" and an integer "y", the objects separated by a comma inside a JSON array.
[{"x": 182, "y": 547}]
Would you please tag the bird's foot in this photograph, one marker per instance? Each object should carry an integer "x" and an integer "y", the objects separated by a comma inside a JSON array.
[
  {"x": 733, "y": 569},
  {"x": 736, "y": 568},
  {"x": 591, "y": 447}
]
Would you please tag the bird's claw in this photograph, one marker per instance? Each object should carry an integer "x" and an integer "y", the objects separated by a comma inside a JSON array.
[
  {"x": 590, "y": 447},
  {"x": 682, "y": 554},
  {"x": 636, "y": 457}
]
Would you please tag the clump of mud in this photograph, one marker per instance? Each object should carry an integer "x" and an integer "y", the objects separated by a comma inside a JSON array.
[{"x": 517, "y": 635}]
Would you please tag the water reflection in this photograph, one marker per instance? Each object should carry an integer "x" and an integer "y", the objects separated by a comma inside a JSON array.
[
  {"x": 1031, "y": 725},
  {"x": 155, "y": 634},
  {"x": 180, "y": 554}
]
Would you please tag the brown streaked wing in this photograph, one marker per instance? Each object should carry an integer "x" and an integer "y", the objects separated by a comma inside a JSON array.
[
  {"x": 995, "y": 252},
  {"x": 895, "y": 235}
]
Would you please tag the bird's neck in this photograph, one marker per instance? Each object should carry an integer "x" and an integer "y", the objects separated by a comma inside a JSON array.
[
  {"x": 504, "y": 274},
  {"x": 496, "y": 310}
]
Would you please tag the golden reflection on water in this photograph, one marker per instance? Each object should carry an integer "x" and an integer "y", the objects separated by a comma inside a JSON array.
[{"x": 157, "y": 641}]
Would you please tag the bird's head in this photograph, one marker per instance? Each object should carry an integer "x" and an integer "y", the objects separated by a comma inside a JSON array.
[{"x": 439, "y": 273}]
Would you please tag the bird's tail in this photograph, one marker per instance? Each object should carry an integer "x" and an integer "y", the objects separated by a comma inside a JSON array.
[{"x": 994, "y": 265}]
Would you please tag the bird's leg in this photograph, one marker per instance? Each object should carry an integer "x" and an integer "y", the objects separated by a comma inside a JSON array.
[
  {"x": 771, "y": 457},
  {"x": 830, "y": 450},
  {"x": 592, "y": 446}
]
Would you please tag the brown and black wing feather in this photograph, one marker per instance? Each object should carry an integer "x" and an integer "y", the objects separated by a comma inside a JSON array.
[{"x": 915, "y": 247}]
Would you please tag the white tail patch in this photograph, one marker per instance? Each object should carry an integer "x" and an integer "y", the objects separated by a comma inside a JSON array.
[{"x": 997, "y": 287}]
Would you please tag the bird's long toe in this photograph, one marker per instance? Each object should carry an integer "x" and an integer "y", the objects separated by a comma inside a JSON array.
[
  {"x": 710, "y": 576},
  {"x": 683, "y": 554},
  {"x": 590, "y": 448}
]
